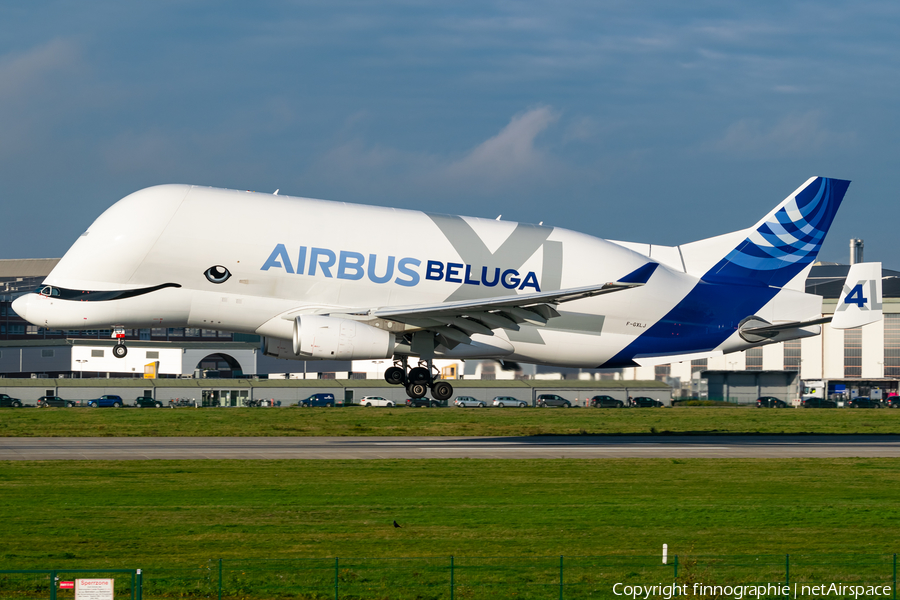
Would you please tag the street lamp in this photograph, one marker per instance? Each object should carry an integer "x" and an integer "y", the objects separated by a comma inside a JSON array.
[{"x": 81, "y": 367}]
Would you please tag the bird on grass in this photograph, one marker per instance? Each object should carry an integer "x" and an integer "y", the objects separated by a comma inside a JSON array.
[{"x": 397, "y": 525}]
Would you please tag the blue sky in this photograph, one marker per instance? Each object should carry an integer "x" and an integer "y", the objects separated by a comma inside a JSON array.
[{"x": 639, "y": 121}]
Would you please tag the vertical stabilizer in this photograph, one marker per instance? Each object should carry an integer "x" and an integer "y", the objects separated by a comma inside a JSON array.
[
  {"x": 860, "y": 301},
  {"x": 781, "y": 245}
]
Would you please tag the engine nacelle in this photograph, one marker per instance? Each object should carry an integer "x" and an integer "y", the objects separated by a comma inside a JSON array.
[{"x": 317, "y": 337}]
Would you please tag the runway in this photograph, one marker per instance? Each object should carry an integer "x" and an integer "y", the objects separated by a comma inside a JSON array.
[{"x": 556, "y": 447}]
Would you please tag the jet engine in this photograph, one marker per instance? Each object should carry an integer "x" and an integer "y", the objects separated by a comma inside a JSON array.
[{"x": 318, "y": 337}]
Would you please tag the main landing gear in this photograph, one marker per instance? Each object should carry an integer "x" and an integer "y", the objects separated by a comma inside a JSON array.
[
  {"x": 418, "y": 379},
  {"x": 119, "y": 350}
]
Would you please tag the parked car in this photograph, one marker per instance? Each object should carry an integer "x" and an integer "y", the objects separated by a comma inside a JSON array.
[
  {"x": 10, "y": 402},
  {"x": 770, "y": 402},
  {"x": 318, "y": 400},
  {"x": 422, "y": 402},
  {"x": 54, "y": 401},
  {"x": 503, "y": 401},
  {"x": 606, "y": 402},
  {"x": 376, "y": 401},
  {"x": 107, "y": 401},
  {"x": 147, "y": 402},
  {"x": 645, "y": 402},
  {"x": 818, "y": 403},
  {"x": 544, "y": 400},
  {"x": 467, "y": 401},
  {"x": 262, "y": 403},
  {"x": 892, "y": 402},
  {"x": 863, "y": 402}
]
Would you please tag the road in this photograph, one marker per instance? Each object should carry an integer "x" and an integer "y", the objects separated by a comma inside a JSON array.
[{"x": 719, "y": 446}]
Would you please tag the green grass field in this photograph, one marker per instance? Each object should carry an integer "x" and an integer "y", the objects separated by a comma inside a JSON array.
[
  {"x": 358, "y": 421},
  {"x": 279, "y": 525},
  {"x": 156, "y": 512}
]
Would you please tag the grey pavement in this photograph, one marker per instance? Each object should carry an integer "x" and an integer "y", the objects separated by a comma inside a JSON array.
[{"x": 632, "y": 446}]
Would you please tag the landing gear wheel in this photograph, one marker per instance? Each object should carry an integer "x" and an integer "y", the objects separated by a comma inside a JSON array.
[
  {"x": 441, "y": 390},
  {"x": 394, "y": 376},
  {"x": 119, "y": 350},
  {"x": 416, "y": 390},
  {"x": 419, "y": 375}
]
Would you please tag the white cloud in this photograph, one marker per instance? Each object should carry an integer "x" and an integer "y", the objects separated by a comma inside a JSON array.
[
  {"x": 509, "y": 156},
  {"x": 25, "y": 74},
  {"x": 794, "y": 135},
  {"x": 511, "y": 159}
]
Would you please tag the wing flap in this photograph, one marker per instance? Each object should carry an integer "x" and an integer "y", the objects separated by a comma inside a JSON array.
[
  {"x": 457, "y": 321},
  {"x": 539, "y": 303}
]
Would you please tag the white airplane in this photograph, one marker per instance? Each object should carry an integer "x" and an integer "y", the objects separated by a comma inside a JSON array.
[{"x": 328, "y": 280}]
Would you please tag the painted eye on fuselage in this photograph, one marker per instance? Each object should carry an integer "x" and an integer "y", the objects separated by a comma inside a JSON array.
[{"x": 217, "y": 274}]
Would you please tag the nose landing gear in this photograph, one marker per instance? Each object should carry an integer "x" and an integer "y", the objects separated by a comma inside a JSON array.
[
  {"x": 418, "y": 380},
  {"x": 119, "y": 350}
]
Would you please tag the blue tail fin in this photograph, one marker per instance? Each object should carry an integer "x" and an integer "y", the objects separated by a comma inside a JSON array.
[{"x": 787, "y": 240}]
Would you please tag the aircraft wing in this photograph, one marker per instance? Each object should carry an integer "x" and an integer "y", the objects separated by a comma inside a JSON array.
[{"x": 456, "y": 321}]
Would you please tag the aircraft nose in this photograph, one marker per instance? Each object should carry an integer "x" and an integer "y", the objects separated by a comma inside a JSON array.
[{"x": 20, "y": 305}]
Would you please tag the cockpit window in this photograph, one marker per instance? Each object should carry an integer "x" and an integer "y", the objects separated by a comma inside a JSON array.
[{"x": 99, "y": 295}]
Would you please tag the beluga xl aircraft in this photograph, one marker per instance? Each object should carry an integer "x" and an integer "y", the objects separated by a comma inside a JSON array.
[{"x": 337, "y": 281}]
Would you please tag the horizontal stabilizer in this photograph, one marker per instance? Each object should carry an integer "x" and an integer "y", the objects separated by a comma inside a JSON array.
[
  {"x": 754, "y": 333},
  {"x": 860, "y": 301}
]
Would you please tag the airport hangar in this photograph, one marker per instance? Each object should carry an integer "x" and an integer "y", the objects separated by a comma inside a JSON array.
[{"x": 859, "y": 361}]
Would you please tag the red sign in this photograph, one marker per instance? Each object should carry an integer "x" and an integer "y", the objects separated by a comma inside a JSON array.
[{"x": 66, "y": 585}]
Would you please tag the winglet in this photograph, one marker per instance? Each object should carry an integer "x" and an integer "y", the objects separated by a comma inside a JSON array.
[
  {"x": 640, "y": 275},
  {"x": 860, "y": 301}
]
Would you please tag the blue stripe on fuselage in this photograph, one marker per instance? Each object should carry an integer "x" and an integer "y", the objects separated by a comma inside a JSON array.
[
  {"x": 739, "y": 284},
  {"x": 706, "y": 317}
]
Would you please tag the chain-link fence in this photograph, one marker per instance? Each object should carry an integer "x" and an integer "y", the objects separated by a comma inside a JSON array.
[{"x": 698, "y": 577}]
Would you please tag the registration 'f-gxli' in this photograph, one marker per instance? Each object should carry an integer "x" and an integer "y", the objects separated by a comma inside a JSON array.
[{"x": 327, "y": 280}]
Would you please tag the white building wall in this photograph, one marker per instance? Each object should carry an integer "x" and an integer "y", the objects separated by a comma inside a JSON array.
[
  {"x": 811, "y": 357},
  {"x": 873, "y": 350},
  {"x": 645, "y": 373},
  {"x": 83, "y": 360},
  {"x": 719, "y": 363},
  {"x": 374, "y": 369},
  {"x": 833, "y": 354},
  {"x": 682, "y": 370},
  {"x": 773, "y": 357}
]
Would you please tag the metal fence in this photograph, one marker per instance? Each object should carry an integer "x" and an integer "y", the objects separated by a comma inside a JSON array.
[
  {"x": 697, "y": 577},
  {"x": 45, "y": 583}
]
